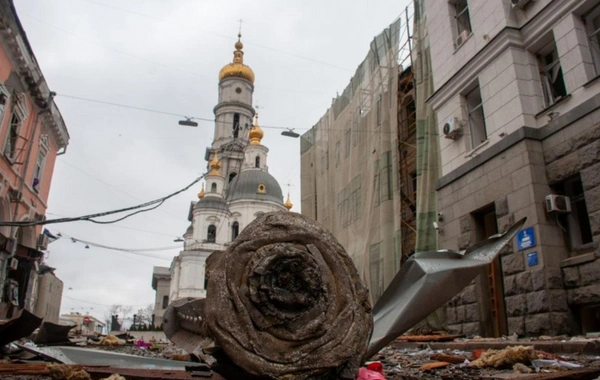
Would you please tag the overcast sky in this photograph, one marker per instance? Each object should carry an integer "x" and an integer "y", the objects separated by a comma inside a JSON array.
[{"x": 165, "y": 55}]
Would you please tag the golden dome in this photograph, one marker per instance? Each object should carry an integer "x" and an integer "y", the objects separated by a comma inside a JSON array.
[
  {"x": 288, "y": 203},
  {"x": 215, "y": 165},
  {"x": 256, "y": 133},
  {"x": 201, "y": 193},
  {"x": 237, "y": 67}
]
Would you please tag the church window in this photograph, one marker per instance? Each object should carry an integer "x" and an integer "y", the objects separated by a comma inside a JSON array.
[
  {"x": 235, "y": 230},
  {"x": 257, "y": 162},
  {"x": 165, "y": 302},
  {"x": 213, "y": 188},
  {"x": 211, "y": 235},
  {"x": 232, "y": 176},
  {"x": 236, "y": 125},
  {"x": 261, "y": 189}
]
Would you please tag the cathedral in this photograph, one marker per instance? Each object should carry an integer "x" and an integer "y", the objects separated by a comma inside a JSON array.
[{"x": 236, "y": 189}]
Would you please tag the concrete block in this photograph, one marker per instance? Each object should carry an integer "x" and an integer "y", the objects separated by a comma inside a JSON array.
[
  {"x": 471, "y": 329},
  {"x": 514, "y": 263},
  {"x": 460, "y": 313},
  {"x": 504, "y": 222},
  {"x": 590, "y": 176},
  {"x": 516, "y": 325},
  {"x": 584, "y": 296},
  {"x": 558, "y": 151},
  {"x": 516, "y": 305},
  {"x": 524, "y": 284},
  {"x": 592, "y": 199},
  {"x": 469, "y": 294},
  {"x": 501, "y": 205},
  {"x": 537, "y": 302},
  {"x": 558, "y": 300},
  {"x": 464, "y": 240},
  {"x": 471, "y": 313},
  {"x": 455, "y": 329},
  {"x": 538, "y": 324},
  {"x": 538, "y": 279},
  {"x": 563, "y": 168},
  {"x": 510, "y": 285},
  {"x": 554, "y": 278},
  {"x": 451, "y": 315},
  {"x": 560, "y": 323},
  {"x": 595, "y": 223},
  {"x": 589, "y": 154},
  {"x": 589, "y": 273}
]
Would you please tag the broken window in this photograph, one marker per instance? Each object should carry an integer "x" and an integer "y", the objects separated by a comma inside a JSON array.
[
  {"x": 10, "y": 146},
  {"x": 576, "y": 224},
  {"x": 211, "y": 234},
  {"x": 476, "y": 117},
  {"x": 462, "y": 21},
  {"x": 592, "y": 25},
  {"x": 551, "y": 75}
]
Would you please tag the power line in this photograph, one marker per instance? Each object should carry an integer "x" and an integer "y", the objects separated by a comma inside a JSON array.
[
  {"x": 154, "y": 203},
  {"x": 129, "y": 250}
]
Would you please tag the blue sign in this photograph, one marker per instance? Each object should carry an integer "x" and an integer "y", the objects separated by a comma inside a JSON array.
[
  {"x": 525, "y": 239},
  {"x": 532, "y": 259}
]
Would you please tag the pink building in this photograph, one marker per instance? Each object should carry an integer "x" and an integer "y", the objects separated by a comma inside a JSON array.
[{"x": 32, "y": 134}]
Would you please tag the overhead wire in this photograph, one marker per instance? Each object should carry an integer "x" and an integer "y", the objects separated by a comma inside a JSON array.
[{"x": 155, "y": 203}]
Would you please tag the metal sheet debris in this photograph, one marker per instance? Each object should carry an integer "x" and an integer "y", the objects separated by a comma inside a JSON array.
[
  {"x": 426, "y": 282},
  {"x": 20, "y": 327},
  {"x": 92, "y": 357},
  {"x": 51, "y": 333}
]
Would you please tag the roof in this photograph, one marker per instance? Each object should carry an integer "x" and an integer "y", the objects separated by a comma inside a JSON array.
[
  {"x": 211, "y": 203},
  {"x": 246, "y": 186}
]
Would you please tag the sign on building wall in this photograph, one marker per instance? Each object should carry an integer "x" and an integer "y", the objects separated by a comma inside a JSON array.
[{"x": 525, "y": 238}]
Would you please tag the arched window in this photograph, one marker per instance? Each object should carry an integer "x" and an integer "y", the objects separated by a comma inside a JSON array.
[
  {"x": 235, "y": 230},
  {"x": 165, "y": 302},
  {"x": 232, "y": 176},
  {"x": 213, "y": 188},
  {"x": 257, "y": 162},
  {"x": 211, "y": 235},
  {"x": 236, "y": 125}
]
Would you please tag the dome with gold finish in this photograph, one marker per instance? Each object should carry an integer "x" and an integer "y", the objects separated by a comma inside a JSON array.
[
  {"x": 256, "y": 133},
  {"x": 237, "y": 67}
]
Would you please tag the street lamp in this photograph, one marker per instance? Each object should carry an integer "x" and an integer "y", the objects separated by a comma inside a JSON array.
[
  {"x": 188, "y": 122},
  {"x": 290, "y": 133}
]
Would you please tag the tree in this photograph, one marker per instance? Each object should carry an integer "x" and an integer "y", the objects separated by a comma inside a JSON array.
[{"x": 117, "y": 315}]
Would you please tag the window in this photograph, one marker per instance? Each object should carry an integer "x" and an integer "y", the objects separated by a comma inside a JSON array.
[
  {"x": 10, "y": 146},
  {"x": 236, "y": 125},
  {"x": 592, "y": 26},
  {"x": 235, "y": 230},
  {"x": 165, "y": 302},
  {"x": 551, "y": 75},
  {"x": 376, "y": 184},
  {"x": 462, "y": 20},
  {"x": 213, "y": 187},
  {"x": 211, "y": 235},
  {"x": 38, "y": 171},
  {"x": 576, "y": 224},
  {"x": 337, "y": 153},
  {"x": 232, "y": 176},
  {"x": 476, "y": 117},
  {"x": 257, "y": 161}
]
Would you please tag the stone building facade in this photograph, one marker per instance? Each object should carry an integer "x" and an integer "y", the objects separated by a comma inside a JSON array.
[{"x": 517, "y": 98}]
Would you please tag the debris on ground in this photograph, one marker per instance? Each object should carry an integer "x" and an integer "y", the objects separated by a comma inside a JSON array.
[
  {"x": 111, "y": 340},
  {"x": 65, "y": 372},
  {"x": 506, "y": 357}
]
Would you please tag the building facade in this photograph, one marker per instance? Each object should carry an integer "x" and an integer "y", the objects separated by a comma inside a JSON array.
[
  {"x": 353, "y": 158},
  {"x": 49, "y": 295},
  {"x": 161, "y": 283},
  {"x": 84, "y": 323},
  {"x": 236, "y": 189},
  {"x": 517, "y": 99},
  {"x": 32, "y": 134}
]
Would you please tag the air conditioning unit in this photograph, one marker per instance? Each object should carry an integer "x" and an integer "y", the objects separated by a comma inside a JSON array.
[
  {"x": 558, "y": 204},
  {"x": 42, "y": 242},
  {"x": 13, "y": 264},
  {"x": 519, "y": 3},
  {"x": 15, "y": 195},
  {"x": 462, "y": 37},
  {"x": 452, "y": 128}
]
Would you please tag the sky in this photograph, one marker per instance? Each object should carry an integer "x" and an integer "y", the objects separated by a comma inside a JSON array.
[{"x": 165, "y": 56}]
